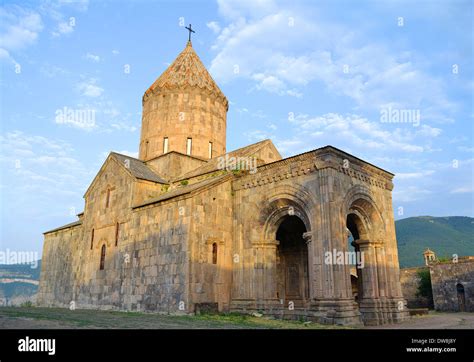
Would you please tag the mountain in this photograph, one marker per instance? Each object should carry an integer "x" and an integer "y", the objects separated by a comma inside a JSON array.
[
  {"x": 443, "y": 235},
  {"x": 18, "y": 283}
]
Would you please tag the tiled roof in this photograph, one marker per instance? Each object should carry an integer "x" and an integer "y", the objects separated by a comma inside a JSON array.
[
  {"x": 183, "y": 190},
  {"x": 72, "y": 224},
  {"x": 138, "y": 168},
  {"x": 212, "y": 164},
  {"x": 187, "y": 70}
]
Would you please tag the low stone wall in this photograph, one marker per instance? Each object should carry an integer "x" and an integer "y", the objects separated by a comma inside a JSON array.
[{"x": 445, "y": 278}]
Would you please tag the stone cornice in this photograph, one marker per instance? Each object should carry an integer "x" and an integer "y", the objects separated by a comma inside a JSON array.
[
  {"x": 270, "y": 243},
  {"x": 310, "y": 162},
  {"x": 364, "y": 177}
]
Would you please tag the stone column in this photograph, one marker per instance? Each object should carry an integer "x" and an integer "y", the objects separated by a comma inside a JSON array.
[
  {"x": 308, "y": 236},
  {"x": 369, "y": 271},
  {"x": 381, "y": 272},
  {"x": 323, "y": 222},
  {"x": 265, "y": 270}
]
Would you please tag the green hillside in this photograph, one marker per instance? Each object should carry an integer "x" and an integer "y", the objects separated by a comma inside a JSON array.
[
  {"x": 444, "y": 235},
  {"x": 17, "y": 289},
  {"x": 17, "y": 282}
]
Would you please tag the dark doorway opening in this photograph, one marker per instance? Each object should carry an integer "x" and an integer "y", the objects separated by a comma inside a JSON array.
[
  {"x": 292, "y": 261},
  {"x": 353, "y": 234},
  {"x": 461, "y": 297}
]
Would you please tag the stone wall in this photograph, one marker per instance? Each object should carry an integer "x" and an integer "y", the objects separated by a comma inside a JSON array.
[
  {"x": 212, "y": 212},
  {"x": 57, "y": 274},
  {"x": 444, "y": 279},
  {"x": 178, "y": 115}
]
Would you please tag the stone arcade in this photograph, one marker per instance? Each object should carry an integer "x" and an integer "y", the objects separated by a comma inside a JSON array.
[{"x": 175, "y": 232}]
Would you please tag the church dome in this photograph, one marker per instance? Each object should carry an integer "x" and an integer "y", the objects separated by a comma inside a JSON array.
[
  {"x": 187, "y": 70},
  {"x": 184, "y": 111}
]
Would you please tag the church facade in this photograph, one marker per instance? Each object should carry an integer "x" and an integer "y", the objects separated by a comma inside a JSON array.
[{"x": 189, "y": 227}]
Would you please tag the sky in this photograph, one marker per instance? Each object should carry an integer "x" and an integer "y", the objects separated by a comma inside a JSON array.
[{"x": 390, "y": 82}]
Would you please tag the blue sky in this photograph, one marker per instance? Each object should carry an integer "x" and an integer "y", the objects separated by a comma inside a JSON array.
[{"x": 303, "y": 73}]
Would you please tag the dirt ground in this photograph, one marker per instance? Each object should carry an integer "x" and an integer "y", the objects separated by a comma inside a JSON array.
[
  {"x": 49, "y": 318},
  {"x": 435, "y": 320}
]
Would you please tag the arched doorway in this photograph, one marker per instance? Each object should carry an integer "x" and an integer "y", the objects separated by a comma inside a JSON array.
[
  {"x": 354, "y": 230},
  {"x": 292, "y": 262},
  {"x": 461, "y": 297}
]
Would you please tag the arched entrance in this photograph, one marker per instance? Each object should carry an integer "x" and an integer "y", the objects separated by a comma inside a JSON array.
[
  {"x": 292, "y": 262},
  {"x": 354, "y": 226},
  {"x": 461, "y": 297}
]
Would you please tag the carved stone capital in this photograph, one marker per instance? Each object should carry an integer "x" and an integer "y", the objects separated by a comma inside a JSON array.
[
  {"x": 364, "y": 244},
  {"x": 308, "y": 236}
]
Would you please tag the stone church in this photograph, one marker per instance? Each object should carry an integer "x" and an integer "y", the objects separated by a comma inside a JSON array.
[{"x": 188, "y": 226}]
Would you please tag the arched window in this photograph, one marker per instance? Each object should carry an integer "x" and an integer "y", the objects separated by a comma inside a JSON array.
[
  {"x": 189, "y": 146},
  {"x": 107, "y": 198},
  {"x": 102, "y": 257},
  {"x": 92, "y": 239},
  {"x": 214, "y": 253},
  {"x": 210, "y": 150},
  {"x": 117, "y": 230},
  {"x": 146, "y": 148}
]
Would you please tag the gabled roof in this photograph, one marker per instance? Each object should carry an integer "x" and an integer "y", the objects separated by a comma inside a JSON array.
[
  {"x": 187, "y": 70},
  {"x": 322, "y": 149},
  {"x": 212, "y": 164},
  {"x": 133, "y": 166},
  {"x": 138, "y": 168},
  {"x": 184, "y": 190},
  {"x": 70, "y": 225}
]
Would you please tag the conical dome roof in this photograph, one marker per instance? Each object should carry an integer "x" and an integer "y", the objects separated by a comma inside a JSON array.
[{"x": 187, "y": 70}]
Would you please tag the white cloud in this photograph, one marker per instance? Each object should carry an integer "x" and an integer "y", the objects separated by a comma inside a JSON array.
[
  {"x": 92, "y": 57},
  {"x": 410, "y": 194},
  {"x": 233, "y": 9},
  {"x": 462, "y": 190},
  {"x": 466, "y": 149},
  {"x": 356, "y": 131},
  {"x": 19, "y": 28},
  {"x": 413, "y": 175},
  {"x": 42, "y": 176},
  {"x": 60, "y": 12},
  {"x": 64, "y": 27},
  {"x": 115, "y": 52},
  {"x": 428, "y": 131},
  {"x": 89, "y": 88},
  {"x": 121, "y": 126},
  {"x": 214, "y": 26},
  {"x": 51, "y": 71},
  {"x": 377, "y": 76}
]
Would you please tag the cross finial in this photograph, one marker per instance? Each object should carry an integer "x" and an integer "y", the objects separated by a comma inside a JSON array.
[{"x": 190, "y": 29}]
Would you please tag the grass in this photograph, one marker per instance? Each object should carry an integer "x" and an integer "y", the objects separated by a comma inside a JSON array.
[{"x": 23, "y": 317}]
